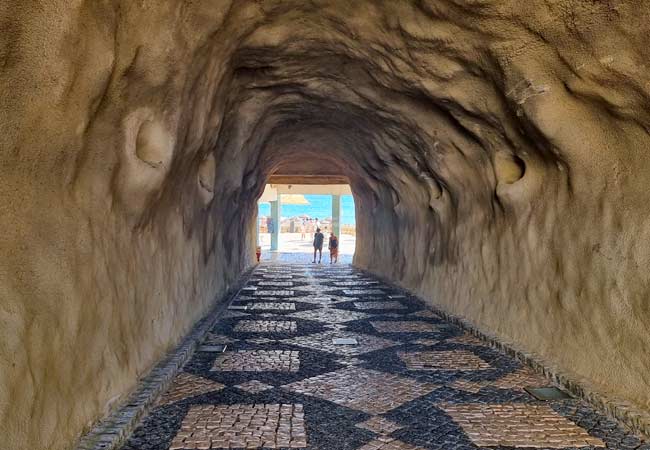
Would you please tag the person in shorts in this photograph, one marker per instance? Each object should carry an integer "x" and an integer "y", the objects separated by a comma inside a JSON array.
[
  {"x": 334, "y": 248},
  {"x": 318, "y": 245}
]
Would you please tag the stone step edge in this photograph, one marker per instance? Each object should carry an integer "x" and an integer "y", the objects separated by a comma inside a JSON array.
[
  {"x": 112, "y": 432},
  {"x": 626, "y": 413}
]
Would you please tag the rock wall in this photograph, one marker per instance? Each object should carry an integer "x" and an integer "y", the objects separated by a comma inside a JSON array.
[{"x": 497, "y": 151}]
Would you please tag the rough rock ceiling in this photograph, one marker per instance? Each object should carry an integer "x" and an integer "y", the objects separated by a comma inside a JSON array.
[{"x": 497, "y": 151}]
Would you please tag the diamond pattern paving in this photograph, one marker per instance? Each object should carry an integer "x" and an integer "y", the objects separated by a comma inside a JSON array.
[
  {"x": 353, "y": 283},
  {"x": 379, "y": 425},
  {"x": 520, "y": 379},
  {"x": 366, "y": 390},
  {"x": 379, "y": 305},
  {"x": 402, "y": 380},
  {"x": 447, "y": 360},
  {"x": 258, "y": 361},
  {"x": 324, "y": 300},
  {"x": 427, "y": 342},
  {"x": 467, "y": 339},
  {"x": 426, "y": 314},
  {"x": 388, "y": 444},
  {"x": 276, "y": 283},
  {"x": 518, "y": 425},
  {"x": 362, "y": 291},
  {"x": 272, "y": 306},
  {"x": 242, "y": 426},
  {"x": 217, "y": 339},
  {"x": 469, "y": 386},
  {"x": 282, "y": 293},
  {"x": 254, "y": 387},
  {"x": 324, "y": 342},
  {"x": 405, "y": 327},
  {"x": 186, "y": 385},
  {"x": 265, "y": 326},
  {"x": 330, "y": 315}
]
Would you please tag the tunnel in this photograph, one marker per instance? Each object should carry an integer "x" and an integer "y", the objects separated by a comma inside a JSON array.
[{"x": 497, "y": 152}]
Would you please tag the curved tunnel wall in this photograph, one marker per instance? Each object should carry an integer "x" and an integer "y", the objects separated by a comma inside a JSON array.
[{"x": 497, "y": 152}]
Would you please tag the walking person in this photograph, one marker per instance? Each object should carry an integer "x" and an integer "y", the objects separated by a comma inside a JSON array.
[
  {"x": 334, "y": 248},
  {"x": 318, "y": 245}
]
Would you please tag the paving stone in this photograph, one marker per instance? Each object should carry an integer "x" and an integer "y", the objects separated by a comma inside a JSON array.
[
  {"x": 353, "y": 283},
  {"x": 325, "y": 300},
  {"x": 233, "y": 315},
  {"x": 379, "y": 425},
  {"x": 323, "y": 342},
  {"x": 211, "y": 348},
  {"x": 394, "y": 315},
  {"x": 388, "y": 444},
  {"x": 426, "y": 314},
  {"x": 258, "y": 361},
  {"x": 469, "y": 386},
  {"x": 217, "y": 339},
  {"x": 369, "y": 391},
  {"x": 276, "y": 283},
  {"x": 237, "y": 307},
  {"x": 443, "y": 360},
  {"x": 265, "y": 326},
  {"x": 315, "y": 289},
  {"x": 254, "y": 387},
  {"x": 350, "y": 361},
  {"x": 330, "y": 315},
  {"x": 405, "y": 327},
  {"x": 520, "y": 379},
  {"x": 186, "y": 385},
  {"x": 518, "y": 425},
  {"x": 451, "y": 392},
  {"x": 261, "y": 341},
  {"x": 379, "y": 305},
  {"x": 242, "y": 426},
  {"x": 362, "y": 291},
  {"x": 427, "y": 342},
  {"x": 272, "y": 306},
  {"x": 467, "y": 339},
  {"x": 282, "y": 293}
]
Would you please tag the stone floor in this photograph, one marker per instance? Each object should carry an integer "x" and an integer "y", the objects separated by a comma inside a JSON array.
[{"x": 346, "y": 362}]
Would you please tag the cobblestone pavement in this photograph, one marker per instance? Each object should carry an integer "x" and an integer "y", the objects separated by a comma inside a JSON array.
[{"x": 326, "y": 357}]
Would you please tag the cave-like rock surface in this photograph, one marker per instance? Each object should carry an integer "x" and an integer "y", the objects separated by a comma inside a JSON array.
[{"x": 498, "y": 152}]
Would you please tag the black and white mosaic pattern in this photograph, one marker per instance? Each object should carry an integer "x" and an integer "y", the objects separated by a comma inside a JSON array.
[{"x": 347, "y": 362}]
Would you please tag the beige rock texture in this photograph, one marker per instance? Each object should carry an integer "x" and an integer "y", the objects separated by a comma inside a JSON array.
[{"x": 497, "y": 149}]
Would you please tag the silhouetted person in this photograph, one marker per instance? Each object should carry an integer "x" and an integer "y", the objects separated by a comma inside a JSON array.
[
  {"x": 334, "y": 248},
  {"x": 318, "y": 245}
]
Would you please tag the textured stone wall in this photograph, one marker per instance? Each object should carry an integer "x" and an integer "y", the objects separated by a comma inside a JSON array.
[{"x": 497, "y": 150}]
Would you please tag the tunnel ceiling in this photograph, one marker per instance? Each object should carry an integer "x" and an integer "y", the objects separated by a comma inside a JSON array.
[{"x": 497, "y": 151}]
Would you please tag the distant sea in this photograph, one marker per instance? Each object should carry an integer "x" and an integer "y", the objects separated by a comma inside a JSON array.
[{"x": 319, "y": 206}]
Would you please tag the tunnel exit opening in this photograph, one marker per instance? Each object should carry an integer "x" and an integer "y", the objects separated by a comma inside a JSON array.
[{"x": 290, "y": 214}]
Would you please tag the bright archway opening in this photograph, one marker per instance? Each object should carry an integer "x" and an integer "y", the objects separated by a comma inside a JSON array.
[{"x": 289, "y": 216}]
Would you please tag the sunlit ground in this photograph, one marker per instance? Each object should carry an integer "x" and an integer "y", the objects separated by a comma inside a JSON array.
[{"x": 294, "y": 249}]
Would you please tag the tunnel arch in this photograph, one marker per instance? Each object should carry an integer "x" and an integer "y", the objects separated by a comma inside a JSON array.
[{"x": 497, "y": 149}]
